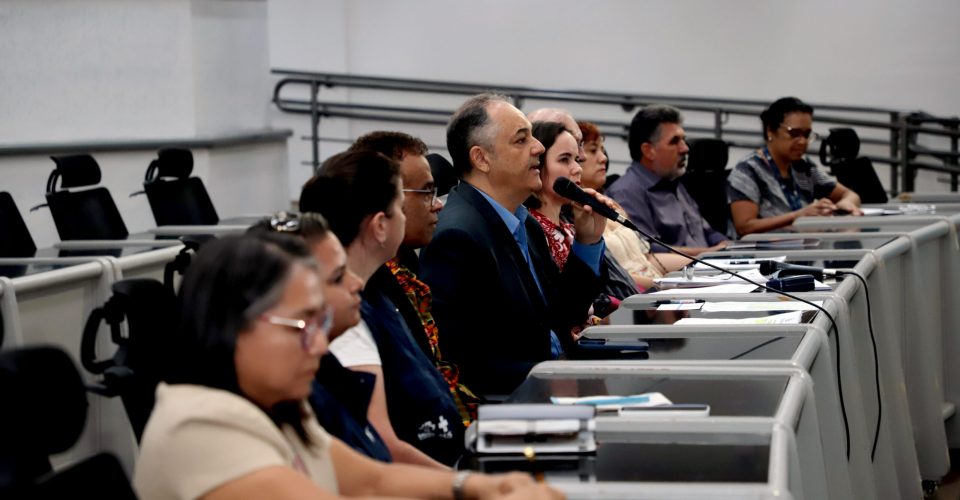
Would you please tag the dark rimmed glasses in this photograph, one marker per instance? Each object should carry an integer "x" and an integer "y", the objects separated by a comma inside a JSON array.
[
  {"x": 432, "y": 192},
  {"x": 806, "y": 133}
]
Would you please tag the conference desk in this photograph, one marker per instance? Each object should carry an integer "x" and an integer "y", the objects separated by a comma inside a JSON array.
[
  {"x": 768, "y": 397},
  {"x": 670, "y": 459},
  {"x": 896, "y": 463},
  {"x": 753, "y": 342},
  {"x": 929, "y": 318}
]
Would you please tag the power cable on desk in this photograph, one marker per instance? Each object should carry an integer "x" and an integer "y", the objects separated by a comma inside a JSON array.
[
  {"x": 566, "y": 188},
  {"x": 876, "y": 360},
  {"x": 833, "y": 323}
]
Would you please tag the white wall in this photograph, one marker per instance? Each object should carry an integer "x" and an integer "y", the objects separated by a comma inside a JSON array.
[
  {"x": 95, "y": 69},
  {"x": 884, "y": 53},
  {"x": 109, "y": 70}
]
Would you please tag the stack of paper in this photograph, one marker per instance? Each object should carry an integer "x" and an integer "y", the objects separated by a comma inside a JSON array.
[
  {"x": 534, "y": 428},
  {"x": 649, "y": 405},
  {"x": 610, "y": 403},
  {"x": 790, "y": 318},
  {"x": 701, "y": 281},
  {"x": 720, "y": 289}
]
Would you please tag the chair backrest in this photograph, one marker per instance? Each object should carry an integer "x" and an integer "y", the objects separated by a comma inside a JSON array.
[
  {"x": 175, "y": 197},
  {"x": 134, "y": 370},
  {"x": 840, "y": 151},
  {"x": 45, "y": 411},
  {"x": 610, "y": 180},
  {"x": 90, "y": 214},
  {"x": 444, "y": 176},
  {"x": 15, "y": 239},
  {"x": 706, "y": 180}
]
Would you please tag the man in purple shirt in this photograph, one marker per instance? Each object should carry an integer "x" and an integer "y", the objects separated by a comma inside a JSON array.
[{"x": 650, "y": 190}]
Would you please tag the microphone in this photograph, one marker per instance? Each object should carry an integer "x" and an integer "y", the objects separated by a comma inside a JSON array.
[
  {"x": 569, "y": 190},
  {"x": 771, "y": 266},
  {"x": 566, "y": 188}
]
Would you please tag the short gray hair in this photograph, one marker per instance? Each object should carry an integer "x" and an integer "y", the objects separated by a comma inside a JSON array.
[
  {"x": 645, "y": 126},
  {"x": 470, "y": 126}
]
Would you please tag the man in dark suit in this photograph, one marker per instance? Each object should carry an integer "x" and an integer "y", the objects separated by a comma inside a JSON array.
[{"x": 498, "y": 297}]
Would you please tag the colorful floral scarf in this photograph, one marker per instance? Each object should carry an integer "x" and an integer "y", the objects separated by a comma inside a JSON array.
[{"x": 419, "y": 295}]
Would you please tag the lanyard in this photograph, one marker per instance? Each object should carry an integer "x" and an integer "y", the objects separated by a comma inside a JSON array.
[{"x": 793, "y": 198}]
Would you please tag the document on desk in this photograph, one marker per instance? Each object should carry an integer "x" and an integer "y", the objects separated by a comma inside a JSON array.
[
  {"x": 867, "y": 211},
  {"x": 721, "y": 289},
  {"x": 736, "y": 264},
  {"x": 773, "y": 305},
  {"x": 700, "y": 281},
  {"x": 774, "y": 244},
  {"x": 790, "y": 318},
  {"x": 615, "y": 403}
]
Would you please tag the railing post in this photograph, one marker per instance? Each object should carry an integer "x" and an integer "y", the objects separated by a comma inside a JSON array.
[
  {"x": 953, "y": 160},
  {"x": 718, "y": 123},
  {"x": 906, "y": 173},
  {"x": 315, "y": 124},
  {"x": 894, "y": 153}
]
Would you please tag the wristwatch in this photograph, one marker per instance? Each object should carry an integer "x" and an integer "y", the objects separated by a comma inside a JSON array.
[{"x": 458, "y": 482}]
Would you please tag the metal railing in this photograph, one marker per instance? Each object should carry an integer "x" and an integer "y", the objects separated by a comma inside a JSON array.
[{"x": 901, "y": 134}]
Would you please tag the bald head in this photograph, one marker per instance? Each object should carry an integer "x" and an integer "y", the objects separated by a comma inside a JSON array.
[{"x": 561, "y": 116}]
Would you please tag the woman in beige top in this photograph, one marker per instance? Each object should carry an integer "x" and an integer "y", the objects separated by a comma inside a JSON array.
[
  {"x": 231, "y": 422},
  {"x": 627, "y": 247}
]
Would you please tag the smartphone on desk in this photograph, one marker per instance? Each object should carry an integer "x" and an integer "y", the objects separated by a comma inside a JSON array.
[{"x": 592, "y": 348}]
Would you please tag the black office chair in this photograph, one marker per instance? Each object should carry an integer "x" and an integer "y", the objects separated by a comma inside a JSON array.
[
  {"x": 610, "y": 180},
  {"x": 44, "y": 413},
  {"x": 177, "y": 199},
  {"x": 15, "y": 239},
  {"x": 840, "y": 151},
  {"x": 134, "y": 370},
  {"x": 706, "y": 180},
  {"x": 89, "y": 214},
  {"x": 444, "y": 176}
]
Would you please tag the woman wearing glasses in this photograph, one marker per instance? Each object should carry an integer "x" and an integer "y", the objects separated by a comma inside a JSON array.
[
  {"x": 777, "y": 184},
  {"x": 340, "y": 396},
  {"x": 231, "y": 420}
]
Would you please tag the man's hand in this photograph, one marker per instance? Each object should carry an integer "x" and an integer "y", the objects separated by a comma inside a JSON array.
[{"x": 587, "y": 224}]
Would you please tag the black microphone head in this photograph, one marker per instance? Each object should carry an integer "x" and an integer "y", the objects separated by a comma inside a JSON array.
[
  {"x": 768, "y": 267},
  {"x": 565, "y": 187}
]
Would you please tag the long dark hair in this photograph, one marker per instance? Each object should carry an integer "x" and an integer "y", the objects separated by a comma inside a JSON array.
[
  {"x": 546, "y": 133},
  {"x": 231, "y": 281}
]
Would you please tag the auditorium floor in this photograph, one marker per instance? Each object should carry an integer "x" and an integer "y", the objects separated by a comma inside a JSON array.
[{"x": 950, "y": 486}]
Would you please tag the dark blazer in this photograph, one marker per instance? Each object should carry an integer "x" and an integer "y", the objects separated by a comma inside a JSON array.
[
  {"x": 495, "y": 322},
  {"x": 422, "y": 410}
]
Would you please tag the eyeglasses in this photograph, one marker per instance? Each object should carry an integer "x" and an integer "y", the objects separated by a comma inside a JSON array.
[
  {"x": 806, "y": 133},
  {"x": 432, "y": 192},
  {"x": 285, "y": 222},
  {"x": 308, "y": 329}
]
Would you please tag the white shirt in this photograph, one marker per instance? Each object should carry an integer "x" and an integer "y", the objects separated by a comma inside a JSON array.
[{"x": 356, "y": 347}]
